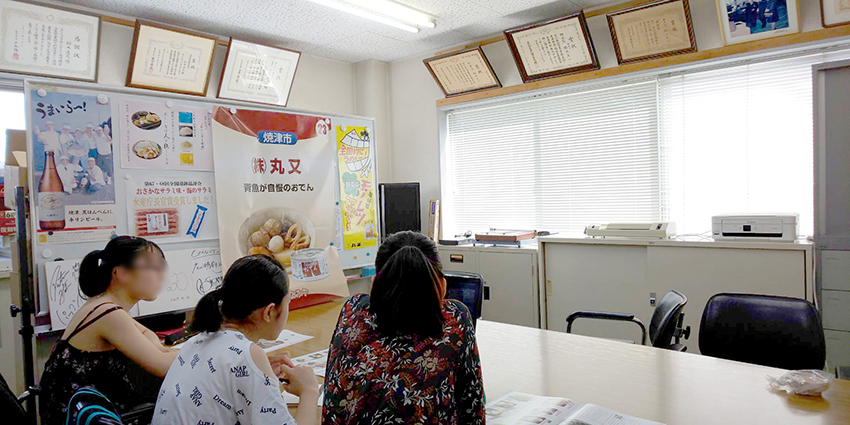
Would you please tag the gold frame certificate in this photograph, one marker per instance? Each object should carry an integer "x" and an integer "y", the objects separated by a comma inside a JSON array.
[
  {"x": 464, "y": 71},
  {"x": 652, "y": 31},
  {"x": 257, "y": 73},
  {"x": 170, "y": 59},
  {"x": 551, "y": 48},
  {"x": 48, "y": 42}
]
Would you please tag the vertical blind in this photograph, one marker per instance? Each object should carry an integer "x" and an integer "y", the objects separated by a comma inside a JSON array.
[
  {"x": 553, "y": 163},
  {"x": 678, "y": 148}
]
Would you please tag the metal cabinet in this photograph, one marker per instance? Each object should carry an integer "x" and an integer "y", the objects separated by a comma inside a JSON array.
[{"x": 510, "y": 280}]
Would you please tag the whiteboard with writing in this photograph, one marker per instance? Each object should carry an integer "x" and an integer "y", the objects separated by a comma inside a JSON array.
[{"x": 191, "y": 274}]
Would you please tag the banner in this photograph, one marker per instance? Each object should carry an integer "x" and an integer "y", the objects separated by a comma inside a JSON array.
[
  {"x": 357, "y": 195},
  {"x": 274, "y": 171}
]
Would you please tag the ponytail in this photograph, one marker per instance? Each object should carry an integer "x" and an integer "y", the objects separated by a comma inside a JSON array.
[
  {"x": 407, "y": 295},
  {"x": 252, "y": 282},
  {"x": 97, "y": 266}
]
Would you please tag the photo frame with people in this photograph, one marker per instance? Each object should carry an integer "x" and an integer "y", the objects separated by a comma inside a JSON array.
[{"x": 749, "y": 20}]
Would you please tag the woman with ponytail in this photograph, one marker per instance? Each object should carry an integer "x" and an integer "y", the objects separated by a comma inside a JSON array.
[
  {"x": 404, "y": 354},
  {"x": 221, "y": 376},
  {"x": 101, "y": 338}
]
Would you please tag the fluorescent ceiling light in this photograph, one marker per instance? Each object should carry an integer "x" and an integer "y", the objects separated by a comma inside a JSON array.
[{"x": 383, "y": 11}]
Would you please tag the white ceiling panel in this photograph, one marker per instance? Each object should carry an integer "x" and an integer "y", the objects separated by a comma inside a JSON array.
[{"x": 326, "y": 32}]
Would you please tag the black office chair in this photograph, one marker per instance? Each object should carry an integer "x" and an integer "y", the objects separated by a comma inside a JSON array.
[
  {"x": 11, "y": 407},
  {"x": 762, "y": 329},
  {"x": 467, "y": 288},
  {"x": 665, "y": 329}
]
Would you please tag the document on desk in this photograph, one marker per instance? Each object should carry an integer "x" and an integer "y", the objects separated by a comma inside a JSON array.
[
  {"x": 318, "y": 361},
  {"x": 516, "y": 408},
  {"x": 285, "y": 339}
]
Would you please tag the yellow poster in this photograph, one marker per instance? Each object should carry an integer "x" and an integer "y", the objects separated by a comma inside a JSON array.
[{"x": 357, "y": 196}]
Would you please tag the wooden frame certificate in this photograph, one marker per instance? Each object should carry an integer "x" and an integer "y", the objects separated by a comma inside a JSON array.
[
  {"x": 551, "y": 48},
  {"x": 653, "y": 30},
  {"x": 48, "y": 42},
  {"x": 258, "y": 73},
  {"x": 170, "y": 59},
  {"x": 463, "y": 71}
]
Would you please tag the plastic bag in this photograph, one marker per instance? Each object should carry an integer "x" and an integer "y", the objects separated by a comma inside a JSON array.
[{"x": 803, "y": 382}]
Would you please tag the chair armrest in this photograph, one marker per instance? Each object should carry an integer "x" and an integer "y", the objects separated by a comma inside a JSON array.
[{"x": 620, "y": 317}]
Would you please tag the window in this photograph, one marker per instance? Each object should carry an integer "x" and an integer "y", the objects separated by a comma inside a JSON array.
[
  {"x": 11, "y": 115},
  {"x": 554, "y": 163},
  {"x": 679, "y": 147}
]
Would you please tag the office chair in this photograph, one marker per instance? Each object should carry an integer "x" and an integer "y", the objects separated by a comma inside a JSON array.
[
  {"x": 467, "y": 288},
  {"x": 665, "y": 329},
  {"x": 11, "y": 407},
  {"x": 763, "y": 329}
]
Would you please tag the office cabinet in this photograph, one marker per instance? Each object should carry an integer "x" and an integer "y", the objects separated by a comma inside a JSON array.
[{"x": 510, "y": 280}]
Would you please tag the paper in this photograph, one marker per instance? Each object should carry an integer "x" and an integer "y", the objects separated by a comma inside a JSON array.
[
  {"x": 357, "y": 195},
  {"x": 78, "y": 200},
  {"x": 652, "y": 30},
  {"x": 45, "y": 41},
  {"x": 293, "y": 400},
  {"x": 258, "y": 73},
  {"x": 171, "y": 60},
  {"x": 463, "y": 72},
  {"x": 63, "y": 291},
  {"x": 318, "y": 361},
  {"x": 552, "y": 47},
  {"x": 285, "y": 339},
  {"x": 191, "y": 274},
  {"x": 156, "y": 136},
  {"x": 177, "y": 209},
  {"x": 273, "y": 169},
  {"x": 519, "y": 408}
]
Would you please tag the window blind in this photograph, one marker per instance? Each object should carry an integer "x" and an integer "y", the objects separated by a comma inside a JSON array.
[
  {"x": 555, "y": 163},
  {"x": 738, "y": 140}
]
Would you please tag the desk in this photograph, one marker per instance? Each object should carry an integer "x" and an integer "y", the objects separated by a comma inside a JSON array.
[{"x": 665, "y": 386}]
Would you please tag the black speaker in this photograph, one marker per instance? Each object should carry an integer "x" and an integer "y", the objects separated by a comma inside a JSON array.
[{"x": 399, "y": 208}]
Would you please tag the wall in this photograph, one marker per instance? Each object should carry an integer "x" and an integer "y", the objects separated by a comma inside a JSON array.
[{"x": 413, "y": 93}]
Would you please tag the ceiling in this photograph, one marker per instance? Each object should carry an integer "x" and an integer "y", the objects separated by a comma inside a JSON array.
[{"x": 325, "y": 32}]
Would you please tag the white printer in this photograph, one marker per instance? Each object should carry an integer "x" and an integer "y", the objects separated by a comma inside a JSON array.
[{"x": 761, "y": 227}]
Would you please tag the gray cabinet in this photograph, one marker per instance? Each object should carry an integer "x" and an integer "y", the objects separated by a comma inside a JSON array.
[{"x": 510, "y": 279}]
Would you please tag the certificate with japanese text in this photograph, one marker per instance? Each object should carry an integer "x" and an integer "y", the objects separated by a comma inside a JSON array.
[
  {"x": 170, "y": 59},
  {"x": 257, "y": 73},
  {"x": 49, "y": 42},
  {"x": 552, "y": 48},
  {"x": 462, "y": 72},
  {"x": 651, "y": 31}
]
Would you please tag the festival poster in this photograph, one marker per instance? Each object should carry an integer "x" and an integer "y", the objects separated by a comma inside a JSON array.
[
  {"x": 275, "y": 170},
  {"x": 71, "y": 138},
  {"x": 172, "y": 209},
  {"x": 164, "y": 135},
  {"x": 357, "y": 195}
]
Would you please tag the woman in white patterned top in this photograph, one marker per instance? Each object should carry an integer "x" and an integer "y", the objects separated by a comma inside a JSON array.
[{"x": 220, "y": 375}]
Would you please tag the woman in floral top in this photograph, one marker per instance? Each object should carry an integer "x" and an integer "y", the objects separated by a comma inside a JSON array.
[{"x": 405, "y": 355}]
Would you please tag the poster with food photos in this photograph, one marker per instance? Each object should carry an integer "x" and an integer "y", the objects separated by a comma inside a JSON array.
[
  {"x": 172, "y": 209},
  {"x": 165, "y": 135}
]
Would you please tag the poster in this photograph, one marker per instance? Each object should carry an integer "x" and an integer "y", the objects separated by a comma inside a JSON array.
[
  {"x": 191, "y": 274},
  {"x": 172, "y": 209},
  {"x": 71, "y": 138},
  {"x": 158, "y": 136},
  {"x": 274, "y": 169},
  {"x": 45, "y": 41},
  {"x": 357, "y": 195}
]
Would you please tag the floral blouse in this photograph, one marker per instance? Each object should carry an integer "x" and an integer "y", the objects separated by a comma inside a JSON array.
[{"x": 377, "y": 379}]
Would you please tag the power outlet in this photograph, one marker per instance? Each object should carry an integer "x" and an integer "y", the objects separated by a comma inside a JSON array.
[{"x": 652, "y": 299}]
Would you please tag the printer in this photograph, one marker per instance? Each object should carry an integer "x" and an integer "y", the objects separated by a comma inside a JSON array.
[{"x": 759, "y": 227}]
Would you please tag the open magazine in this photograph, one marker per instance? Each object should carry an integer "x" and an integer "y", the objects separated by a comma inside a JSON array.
[{"x": 516, "y": 408}]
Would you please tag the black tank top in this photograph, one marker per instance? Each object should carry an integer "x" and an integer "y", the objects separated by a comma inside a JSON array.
[{"x": 68, "y": 369}]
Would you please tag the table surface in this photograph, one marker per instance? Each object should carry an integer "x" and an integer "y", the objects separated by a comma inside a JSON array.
[{"x": 665, "y": 386}]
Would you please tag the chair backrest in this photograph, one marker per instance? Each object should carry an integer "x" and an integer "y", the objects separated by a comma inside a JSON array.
[
  {"x": 89, "y": 407},
  {"x": 10, "y": 406},
  {"x": 665, "y": 319},
  {"x": 467, "y": 288},
  {"x": 762, "y": 329}
]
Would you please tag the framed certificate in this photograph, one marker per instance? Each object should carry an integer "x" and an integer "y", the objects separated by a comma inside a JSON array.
[
  {"x": 743, "y": 21},
  {"x": 653, "y": 30},
  {"x": 170, "y": 59},
  {"x": 834, "y": 12},
  {"x": 464, "y": 71},
  {"x": 48, "y": 42},
  {"x": 258, "y": 73},
  {"x": 552, "y": 48}
]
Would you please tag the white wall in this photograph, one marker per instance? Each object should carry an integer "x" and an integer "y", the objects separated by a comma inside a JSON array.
[{"x": 413, "y": 93}]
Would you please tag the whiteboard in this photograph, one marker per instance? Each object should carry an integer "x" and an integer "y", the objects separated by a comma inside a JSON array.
[{"x": 178, "y": 253}]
